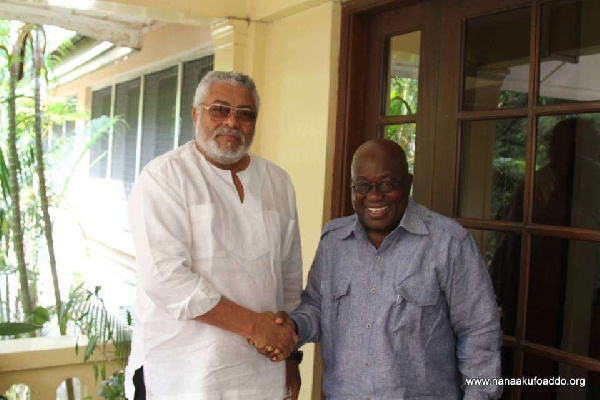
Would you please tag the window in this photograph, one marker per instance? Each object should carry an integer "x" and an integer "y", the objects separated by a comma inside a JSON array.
[
  {"x": 147, "y": 109},
  {"x": 98, "y": 152},
  {"x": 158, "y": 124},
  {"x": 193, "y": 72},
  {"x": 125, "y": 133}
]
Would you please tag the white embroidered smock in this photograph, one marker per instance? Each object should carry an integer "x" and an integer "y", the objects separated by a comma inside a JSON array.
[{"x": 195, "y": 242}]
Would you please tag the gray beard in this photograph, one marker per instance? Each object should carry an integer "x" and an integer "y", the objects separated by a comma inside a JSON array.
[{"x": 223, "y": 156}]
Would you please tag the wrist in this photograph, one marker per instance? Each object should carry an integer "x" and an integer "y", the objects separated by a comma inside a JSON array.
[
  {"x": 253, "y": 328},
  {"x": 296, "y": 356}
]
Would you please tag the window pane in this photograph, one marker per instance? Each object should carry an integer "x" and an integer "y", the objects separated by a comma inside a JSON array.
[
  {"x": 158, "y": 126},
  {"x": 193, "y": 72},
  {"x": 497, "y": 60},
  {"x": 567, "y": 171},
  {"x": 404, "y": 135},
  {"x": 578, "y": 383},
  {"x": 563, "y": 308},
  {"x": 125, "y": 132},
  {"x": 492, "y": 169},
  {"x": 502, "y": 253},
  {"x": 570, "y": 51},
  {"x": 98, "y": 151},
  {"x": 403, "y": 73}
]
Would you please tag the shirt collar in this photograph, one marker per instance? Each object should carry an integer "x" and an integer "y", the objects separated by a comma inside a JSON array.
[{"x": 412, "y": 221}]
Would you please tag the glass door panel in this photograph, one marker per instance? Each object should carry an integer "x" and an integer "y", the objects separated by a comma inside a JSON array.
[
  {"x": 567, "y": 170},
  {"x": 570, "y": 52},
  {"x": 492, "y": 169},
  {"x": 403, "y": 74},
  {"x": 496, "y": 73},
  {"x": 564, "y": 295}
]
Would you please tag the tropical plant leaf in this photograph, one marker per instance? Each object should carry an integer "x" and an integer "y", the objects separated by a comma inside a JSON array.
[
  {"x": 90, "y": 315},
  {"x": 17, "y": 328},
  {"x": 89, "y": 349}
]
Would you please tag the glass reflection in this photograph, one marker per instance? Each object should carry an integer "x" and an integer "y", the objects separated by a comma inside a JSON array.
[
  {"x": 492, "y": 169},
  {"x": 502, "y": 253},
  {"x": 496, "y": 71},
  {"x": 404, "y": 135},
  {"x": 403, "y": 73},
  {"x": 563, "y": 307},
  {"x": 570, "y": 51},
  {"x": 567, "y": 169}
]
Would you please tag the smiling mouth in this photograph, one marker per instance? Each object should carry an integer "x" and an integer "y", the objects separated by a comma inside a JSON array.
[{"x": 377, "y": 211}]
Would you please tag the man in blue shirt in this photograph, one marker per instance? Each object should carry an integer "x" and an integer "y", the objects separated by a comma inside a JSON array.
[{"x": 399, "y": 296}]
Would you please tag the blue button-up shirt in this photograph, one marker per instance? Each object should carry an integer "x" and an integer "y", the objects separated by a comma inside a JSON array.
[{"x": 412, "y": 319}]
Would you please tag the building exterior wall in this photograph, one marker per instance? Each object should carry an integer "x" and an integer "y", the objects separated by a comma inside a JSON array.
[{"x": 298, "y": 120}]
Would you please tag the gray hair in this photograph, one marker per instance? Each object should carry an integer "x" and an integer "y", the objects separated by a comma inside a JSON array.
[{"x": 230, "y": 77}]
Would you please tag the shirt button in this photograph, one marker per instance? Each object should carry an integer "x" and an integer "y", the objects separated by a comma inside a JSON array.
[
  {"x": 368, "y": 326},
  {"x": 373, "y": 290},
  {"x": 417, "y": 302},
  {"x": 377, "y": 258},
  {"x": 367, "y": 364}
]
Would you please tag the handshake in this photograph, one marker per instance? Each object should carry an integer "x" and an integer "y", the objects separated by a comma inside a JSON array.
[{"x": 275, "y": 335}]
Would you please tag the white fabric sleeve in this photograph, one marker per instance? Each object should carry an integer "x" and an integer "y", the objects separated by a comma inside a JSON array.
[
  {"x": 292, "y": 270},
  {"x": 162, "y": 234}
]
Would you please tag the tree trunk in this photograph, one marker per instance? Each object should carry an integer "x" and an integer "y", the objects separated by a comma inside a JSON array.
[
  {"x": 13, "y": 184},
  {"x": 39, "y": 153}
]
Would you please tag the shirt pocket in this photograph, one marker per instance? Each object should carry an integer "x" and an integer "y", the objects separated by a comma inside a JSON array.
[
  {"x": 415, "y": 307},
  {"x": 335, "y": 302},
  {"x": 203, "y": 236}
]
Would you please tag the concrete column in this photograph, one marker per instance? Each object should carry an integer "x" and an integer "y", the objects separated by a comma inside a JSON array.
[{"x": 230, "y": 38}]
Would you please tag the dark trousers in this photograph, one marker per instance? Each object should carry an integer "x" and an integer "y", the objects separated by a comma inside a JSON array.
[{"x": 138, "y": 383}]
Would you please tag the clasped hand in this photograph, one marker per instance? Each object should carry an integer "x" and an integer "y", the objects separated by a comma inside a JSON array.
[{"x": 275, "y": 336}]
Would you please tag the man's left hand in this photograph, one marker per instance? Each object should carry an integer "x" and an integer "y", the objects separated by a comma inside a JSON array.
[{"x": 292, "y": 377}]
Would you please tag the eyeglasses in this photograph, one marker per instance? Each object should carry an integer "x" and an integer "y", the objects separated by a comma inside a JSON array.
[
  {"x": 382, "y": 186},
  {"x": 220, "y": 112}
]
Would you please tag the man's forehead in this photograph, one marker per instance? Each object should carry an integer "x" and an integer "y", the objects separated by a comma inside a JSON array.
[{"x": 226, "y": 92}]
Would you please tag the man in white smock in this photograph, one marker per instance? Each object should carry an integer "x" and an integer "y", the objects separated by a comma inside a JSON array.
[{"x": 217, "y": 251}]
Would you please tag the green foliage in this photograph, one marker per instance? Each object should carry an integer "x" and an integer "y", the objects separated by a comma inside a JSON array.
[
  {"x": 17, "y": 328},
  {"x": 40, "y": 316},
  {"x": 403, "y": 96},
  {"x": 403, "y": 101},
  {"x": 113, "y": 388},
  {"x": 87, "y": 311}
]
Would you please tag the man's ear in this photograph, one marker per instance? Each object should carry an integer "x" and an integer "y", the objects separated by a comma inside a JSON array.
[{"x": 195, "y": 115}]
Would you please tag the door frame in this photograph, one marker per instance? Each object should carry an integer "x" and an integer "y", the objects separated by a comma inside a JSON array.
[{"x": 351, "y": 124}]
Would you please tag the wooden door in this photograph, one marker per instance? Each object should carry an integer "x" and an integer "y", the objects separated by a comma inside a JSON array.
[{"x": 505, "y": 129}]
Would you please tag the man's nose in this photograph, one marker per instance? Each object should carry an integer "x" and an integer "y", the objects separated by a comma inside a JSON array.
[
  {"x": 374, "y": 194},
  {"x": 231, "y": 120}
]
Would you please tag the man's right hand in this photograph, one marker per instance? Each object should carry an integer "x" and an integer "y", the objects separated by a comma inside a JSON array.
[{"x": 267, "y": 332}]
